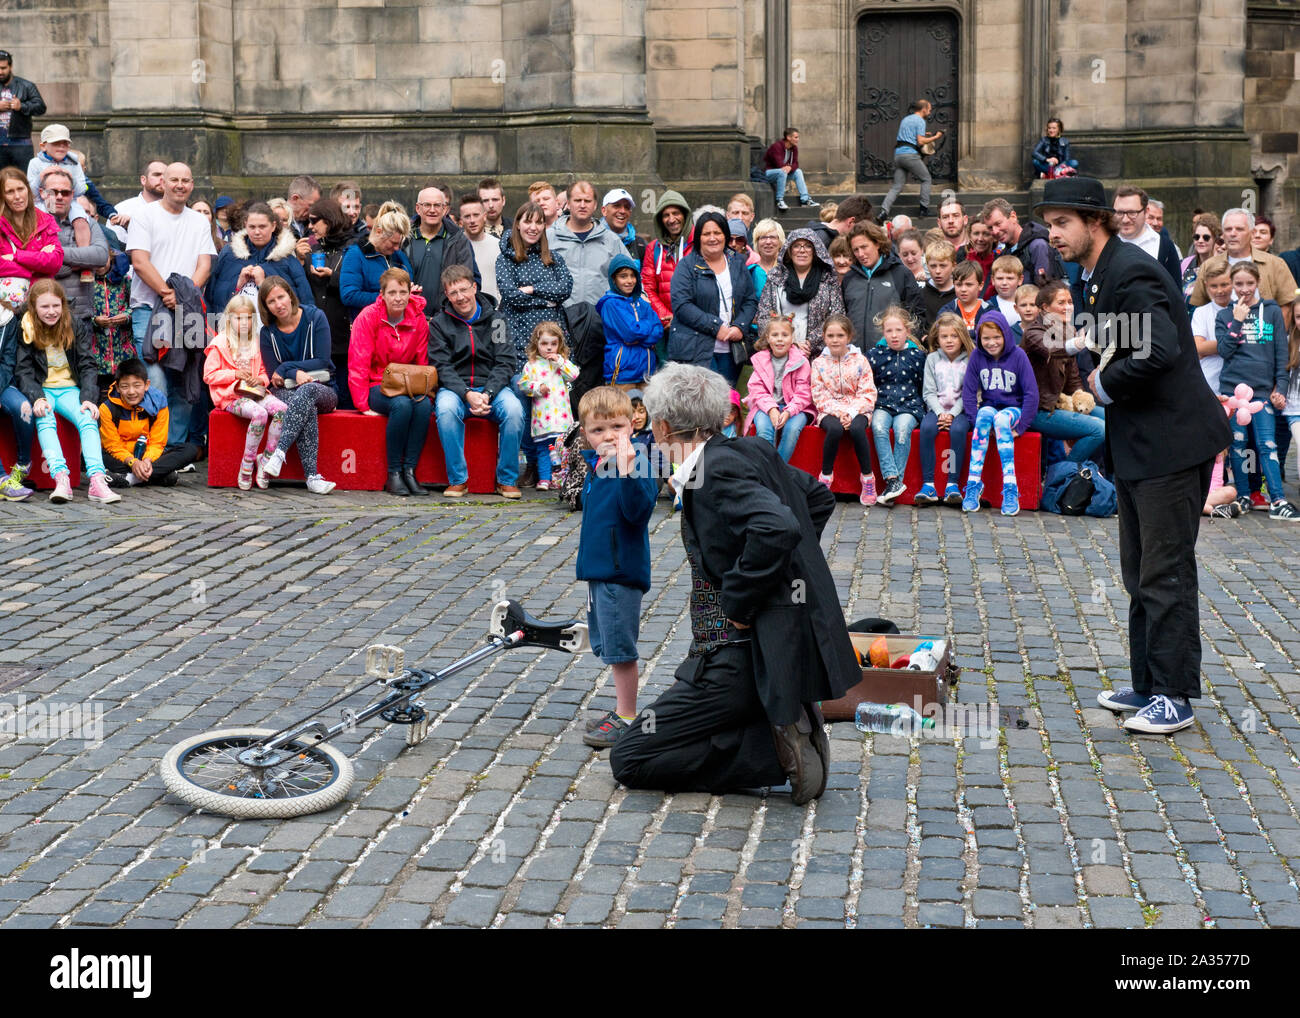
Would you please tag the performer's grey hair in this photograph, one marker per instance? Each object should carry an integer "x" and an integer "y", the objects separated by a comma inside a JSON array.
[{"x": 688, "y": 399}]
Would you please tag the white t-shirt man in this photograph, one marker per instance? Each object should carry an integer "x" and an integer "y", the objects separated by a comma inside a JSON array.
[
  {"x": 486, "y": 250},
  {"x": 174, "y": 242},
  {"x": 1203, "y": 319}
]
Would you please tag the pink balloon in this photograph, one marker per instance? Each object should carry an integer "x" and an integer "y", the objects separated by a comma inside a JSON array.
[
  {"x": 1243, "y": 417},
  {"x": 1243, "y": 392}
]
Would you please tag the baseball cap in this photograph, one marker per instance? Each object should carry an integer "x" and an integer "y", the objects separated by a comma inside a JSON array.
[
  {"x": 55, "y": 132},
  {"x": 222, "y": 202},
  {"x": 737, "y": 228},
  {"x": 617, "y": 195}
]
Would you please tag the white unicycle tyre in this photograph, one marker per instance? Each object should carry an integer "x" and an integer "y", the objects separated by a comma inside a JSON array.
[{"x": 214, "y": 771}]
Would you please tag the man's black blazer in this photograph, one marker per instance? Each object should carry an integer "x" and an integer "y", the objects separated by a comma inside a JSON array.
[
  {"x": 756, "y": 523},
  {"x": 1164, "y": 417}
]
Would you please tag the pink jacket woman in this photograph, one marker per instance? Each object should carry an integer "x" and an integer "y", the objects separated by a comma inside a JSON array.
[
  {"x": 40, "y": 257},
  {"x": 843, "y": 388},
  {"x": 376, "y": 343},
  {"x": 796, "y": 385}
]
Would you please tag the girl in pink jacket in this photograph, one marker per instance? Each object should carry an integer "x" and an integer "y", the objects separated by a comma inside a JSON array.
[
  {"x": 844, "y": 393},
  {"x": 780, "y": 389}
]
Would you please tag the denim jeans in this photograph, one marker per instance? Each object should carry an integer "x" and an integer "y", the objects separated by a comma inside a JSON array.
[
  {"x": 892, "y": 462},
  {"x": 904, "y": 164},
  {"x": 508, "y": 413},
  {"x": 166, "y": 381},
  {"x": 789, "y": 434},
  {"x": 66, "y": 403},
  {"x": 15, "y": 404},
  {"x": 1087, "y": 431},
  {"x": 407, "y": 427},
  {"x": 726, "y": 367},
  {"x": 778, "y": 180},
  {"x": 958, "y": 431},
  {"x": 1264, "y": 426}
]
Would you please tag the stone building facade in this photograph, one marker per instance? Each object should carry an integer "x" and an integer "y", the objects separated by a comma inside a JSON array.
[{"x": 1195, "y": 99}]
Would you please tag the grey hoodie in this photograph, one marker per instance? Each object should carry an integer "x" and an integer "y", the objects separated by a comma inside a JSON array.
[{"x": 587, "y": 259}]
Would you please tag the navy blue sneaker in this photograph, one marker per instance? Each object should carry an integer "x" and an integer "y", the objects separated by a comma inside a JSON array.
[
  {"x": 1164, "y": 715},
  {"x": 1125, "y": 699}
]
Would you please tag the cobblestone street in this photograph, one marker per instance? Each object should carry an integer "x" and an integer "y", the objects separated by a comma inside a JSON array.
[{"x": 191, "y": 609}]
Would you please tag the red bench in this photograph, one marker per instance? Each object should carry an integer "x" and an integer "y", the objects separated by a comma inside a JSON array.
[
  {"x": 69, "y": 442},
  {"x": 352, "y": 452},
  {"x": 1029, "y": 472}
]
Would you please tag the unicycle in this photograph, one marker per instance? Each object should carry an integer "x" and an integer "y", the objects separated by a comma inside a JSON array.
[{"x": 273, "y": 774}]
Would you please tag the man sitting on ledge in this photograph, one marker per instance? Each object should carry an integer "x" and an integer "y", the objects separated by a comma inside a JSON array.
[{"x": 471, "y": 348}]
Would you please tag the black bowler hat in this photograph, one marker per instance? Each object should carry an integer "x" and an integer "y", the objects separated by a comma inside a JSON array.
[{"x": 1084, "y": 193}]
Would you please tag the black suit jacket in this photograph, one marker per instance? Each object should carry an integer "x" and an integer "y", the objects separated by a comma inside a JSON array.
[
  {"x": 755, "y": 523},
  {"x": 1164, "y": 417}
]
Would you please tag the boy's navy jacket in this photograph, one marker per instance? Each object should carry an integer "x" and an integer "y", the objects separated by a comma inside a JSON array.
[
  {"x": 1004, "y": 381},
  {"x": 631, "y": 329},
  {"x": 952, "y": 308},
  {"x": 614, "y": 545}
]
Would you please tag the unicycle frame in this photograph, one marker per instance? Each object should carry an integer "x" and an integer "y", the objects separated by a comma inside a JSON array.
[{"x": 511, "y": 627}]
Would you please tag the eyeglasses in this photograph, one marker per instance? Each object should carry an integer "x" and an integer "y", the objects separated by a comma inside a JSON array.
[
  {"x": 313, "y": 220},
  {"x": 1202, "y": 236},
  {"x": 431, "y": 205},
  {"x": 1129, "y": 215}
]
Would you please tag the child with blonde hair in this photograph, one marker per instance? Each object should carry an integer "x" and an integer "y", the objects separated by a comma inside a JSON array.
[
  {"x": 546, "y": 378},
  {"x": 780, "y": 389},
  {"x": 898, "y": 364},
  {"x": 945, "y": 372}
]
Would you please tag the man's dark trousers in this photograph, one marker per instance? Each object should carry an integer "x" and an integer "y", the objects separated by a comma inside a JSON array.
[
  {"x": 1159, "y": 518},
  {"x": 17, "y": 153},
  {"x": 707, "y": 733}
]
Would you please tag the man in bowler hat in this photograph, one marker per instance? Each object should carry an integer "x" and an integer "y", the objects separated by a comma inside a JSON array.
[{"x": 1164, "y": 428}]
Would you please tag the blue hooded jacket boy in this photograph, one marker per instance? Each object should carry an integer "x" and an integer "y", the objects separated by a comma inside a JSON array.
[
  {"x": 614, "y": 543},
  {"x": 1003, "y": 381},
  {"x": 631, "y": 329}
]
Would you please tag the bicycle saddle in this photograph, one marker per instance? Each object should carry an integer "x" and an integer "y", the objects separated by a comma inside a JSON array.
[{"x": 510, "y": 617}]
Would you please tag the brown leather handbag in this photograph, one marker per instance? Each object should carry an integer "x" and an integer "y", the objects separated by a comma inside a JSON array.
[{"x": 414, "y": 380}]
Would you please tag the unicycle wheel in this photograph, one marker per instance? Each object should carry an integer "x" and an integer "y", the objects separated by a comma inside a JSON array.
[{"x": 212, "y": 772}]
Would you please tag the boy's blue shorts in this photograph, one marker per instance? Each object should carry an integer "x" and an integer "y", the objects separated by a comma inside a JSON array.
[{"x": 613, "y": 621}]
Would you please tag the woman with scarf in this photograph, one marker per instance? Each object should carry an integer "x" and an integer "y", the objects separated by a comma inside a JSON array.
[{"x": 803, "y": 284}]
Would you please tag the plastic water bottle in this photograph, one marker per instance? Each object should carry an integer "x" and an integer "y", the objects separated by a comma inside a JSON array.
[{"x": 890, "y": 719}]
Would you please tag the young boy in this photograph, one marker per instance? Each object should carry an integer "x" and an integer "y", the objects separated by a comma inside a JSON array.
[
  {"x": 614, "y": 547},
  {"x": 631, "y": 327},
  {"x": 1026, "y": 298},
  {"x": 1008, "y": 275},
  {"x": 1218, "y": 285},
  {"x": 133, "y": 431},
  {"x": 967, "y": 280},
  {"x": 941, "y": 259}
]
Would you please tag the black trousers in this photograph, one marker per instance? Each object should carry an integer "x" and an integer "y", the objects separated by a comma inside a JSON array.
[
  {"x": 858, "y": 428},
  {"x": 172, "y": 459},
  {"x": 707, "y": 733},
  {"x": 1158, "y": 521}
]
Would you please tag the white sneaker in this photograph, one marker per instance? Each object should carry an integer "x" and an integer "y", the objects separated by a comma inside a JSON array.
[
  {"x": 1164, "y": 715},
  {"x": 317, "y": 485},
  {"x": 273, "y": 463}
]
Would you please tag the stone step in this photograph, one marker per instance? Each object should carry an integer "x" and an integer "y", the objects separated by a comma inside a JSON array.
[{"x": 906, "y": 203}]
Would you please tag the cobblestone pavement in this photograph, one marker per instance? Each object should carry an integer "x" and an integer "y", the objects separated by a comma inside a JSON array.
[{"x": 186, "y": 610}]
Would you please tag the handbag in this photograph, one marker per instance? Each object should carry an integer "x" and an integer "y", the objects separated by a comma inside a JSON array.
[
  {"x": 250, "y": 390},
  {"x": 739, "y": 352},
  {"x": 1077, "y": 494},
  {"x": 414, "y": 380}
]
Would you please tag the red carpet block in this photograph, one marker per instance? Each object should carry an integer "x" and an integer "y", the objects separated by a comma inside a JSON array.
[
  {"x": 69, "y": 442},
  {"x": 1029, "y": 472},
  {"x": 352, "y": 452}
]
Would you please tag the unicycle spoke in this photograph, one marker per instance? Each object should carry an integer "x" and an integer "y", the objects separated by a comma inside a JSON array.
[{"x": 216, "y": 766}]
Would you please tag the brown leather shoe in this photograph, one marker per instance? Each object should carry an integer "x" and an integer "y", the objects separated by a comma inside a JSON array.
[
  {"x": 797, "y": 752},
  {"x": 528, "y": 478},
  {"x": 455, "y": 491},
  {"x": 507, "y": 491}
]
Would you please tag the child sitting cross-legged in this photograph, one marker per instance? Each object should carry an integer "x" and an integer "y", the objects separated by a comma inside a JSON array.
[
  {"x": 999, "y": 393},
  {"x": 133, "y": 431}
]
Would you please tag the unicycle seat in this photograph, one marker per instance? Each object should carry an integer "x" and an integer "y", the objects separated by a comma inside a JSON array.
[{"x": 509, "y": 617}]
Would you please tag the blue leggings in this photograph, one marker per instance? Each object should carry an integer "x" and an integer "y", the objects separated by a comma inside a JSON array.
[
  {"x": 66, "y": 402},
  {"x": 1002, "y": 423}
]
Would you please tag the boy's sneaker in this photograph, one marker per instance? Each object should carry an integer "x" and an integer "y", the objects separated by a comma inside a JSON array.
[
  {"x": 1258, "y": 500},
  {"x": 187, "y": 469},
  {"x": 599, "y": 719},
  {"x": 1244, "y": 504},
  {"x": 62, "y": 488},
  {"x": 808, "y": 203},
  {"x": 894, "y": 489},
  {"x": 1124, "y": 699},
  {"x": 11, "y": 488},
  {"x": 606, "y": 733},
  {"x": 825, "y": 479},
  {"x": 1227, "y": 511},
  {"x": 868, "y": 496},
  {"x": 1283, "y": 510},
  {"x": 317, "y": 485},
  {"x": 952, "y": 496},
  {"x": 971, "y": 503},
  {"x": 783, "y": 206},
  {"x": 1010, "y": 500},
  {"x": 926, "y": 496},
  {"x": 1164, "y": 715},
  {"x": 167, "y": 480},
  {"x": 101, "y": 492}
]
